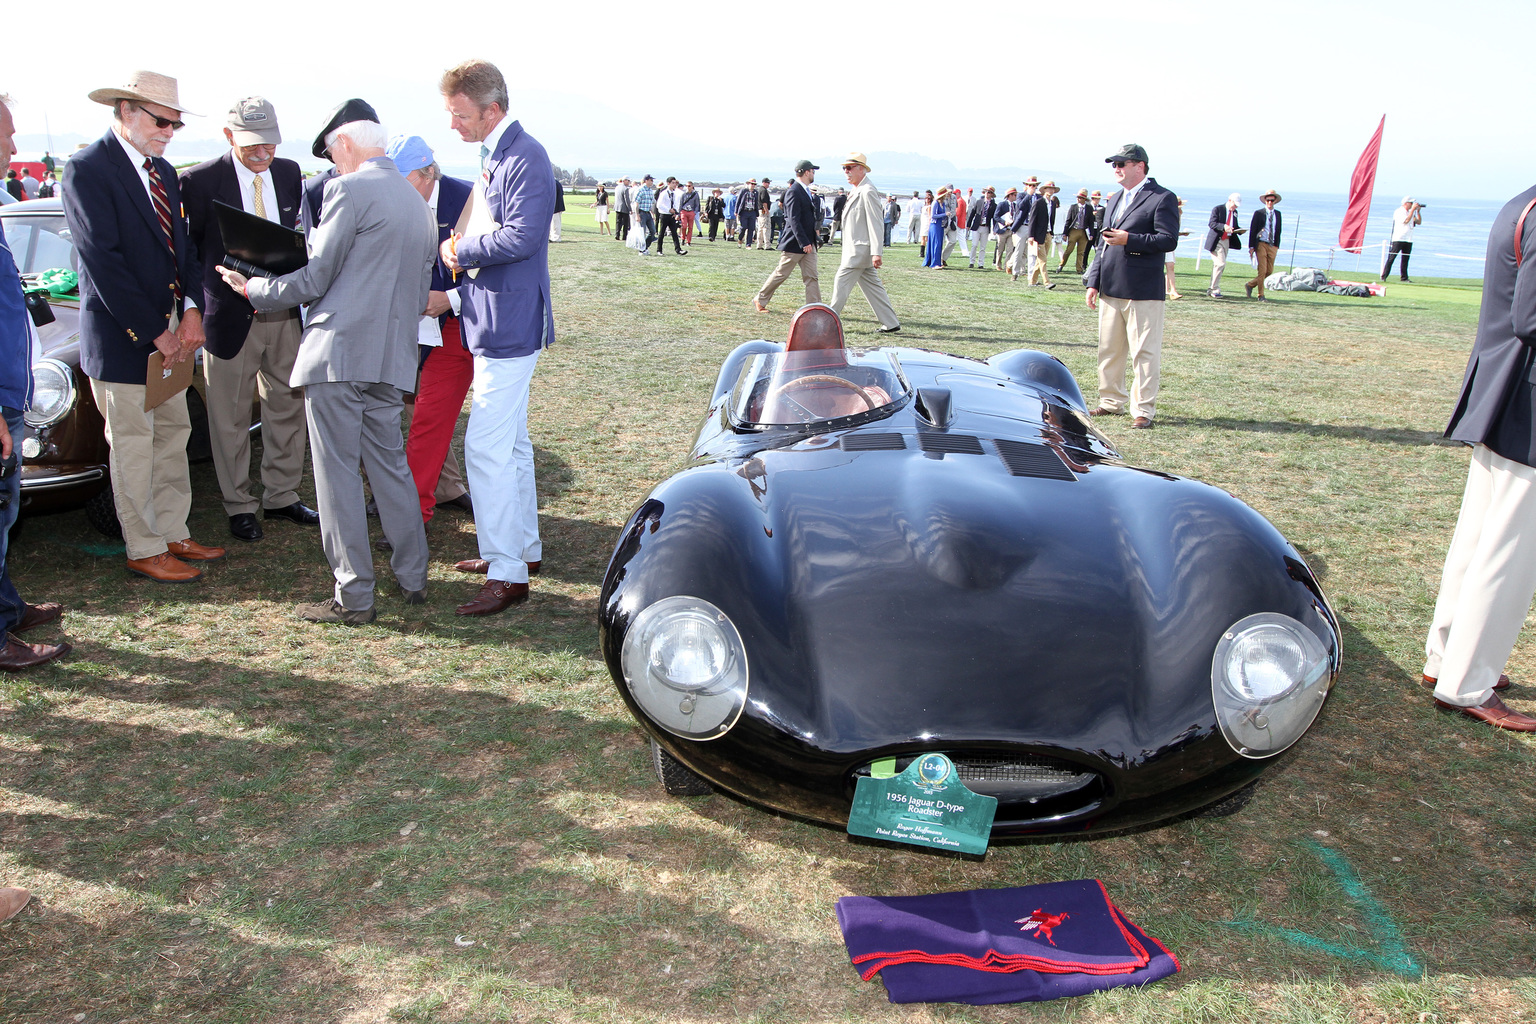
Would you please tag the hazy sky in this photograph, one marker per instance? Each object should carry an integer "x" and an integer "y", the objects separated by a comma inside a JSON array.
[{"x": 1222, "y": 95}]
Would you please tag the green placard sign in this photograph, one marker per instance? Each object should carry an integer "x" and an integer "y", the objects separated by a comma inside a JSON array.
[{"x": 926, "y": 805}]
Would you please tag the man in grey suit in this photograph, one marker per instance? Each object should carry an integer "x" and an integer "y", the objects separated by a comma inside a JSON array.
[{"x": 369, "y": 271}]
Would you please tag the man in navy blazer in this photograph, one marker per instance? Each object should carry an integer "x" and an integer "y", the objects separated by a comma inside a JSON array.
[
  {"x": 1490, "y": 569},
  {"x": 245, "y": 346},
  {"x": 139, "y": 284},
  {"x": 1141, "y": 225},
  {"x": 797, "y": 242},
  {"x": 508, "y": 321}
]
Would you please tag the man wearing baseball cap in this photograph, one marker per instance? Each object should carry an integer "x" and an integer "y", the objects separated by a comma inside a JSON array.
[
  {"x": 797, "y": 242},
  {"x": 243, "y": 345},
  {"x": 1141, "y": 223}
]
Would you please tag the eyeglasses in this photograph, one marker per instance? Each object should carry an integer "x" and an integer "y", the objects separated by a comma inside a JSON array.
[
  {"x": 1117, "y": 164},
  {"x": 161, "y": 122}
]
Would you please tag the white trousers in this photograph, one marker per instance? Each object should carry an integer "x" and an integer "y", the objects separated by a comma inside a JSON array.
[
  {"x": 498, "y": 459},
  {"x": 1488, "y": 582}
]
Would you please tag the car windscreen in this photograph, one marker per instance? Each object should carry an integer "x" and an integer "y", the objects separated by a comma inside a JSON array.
[
  {"x": 40, "y": 243},
  {"x": 816, "y": 386}
]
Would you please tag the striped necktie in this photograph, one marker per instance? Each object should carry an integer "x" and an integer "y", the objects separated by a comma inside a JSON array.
[{"x": 163, "y": 212}]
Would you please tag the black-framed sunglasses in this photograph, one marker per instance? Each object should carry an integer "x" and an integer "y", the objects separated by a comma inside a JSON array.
[
  {"x": 161, "y": 122},
  {"x": 1117, "y": 164}
]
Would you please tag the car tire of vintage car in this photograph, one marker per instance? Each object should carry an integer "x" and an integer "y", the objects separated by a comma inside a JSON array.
[
  {"x": 101, "y": 512},
  {"x": 1230, "y": 804},
  {"x": 676, "y": 778}
]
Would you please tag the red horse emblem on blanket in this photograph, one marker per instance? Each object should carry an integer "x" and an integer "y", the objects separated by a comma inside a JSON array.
[{"x": 1042, "y": 923}]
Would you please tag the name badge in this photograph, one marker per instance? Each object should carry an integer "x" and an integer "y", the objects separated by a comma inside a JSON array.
[{"x": 926, "y": 805}]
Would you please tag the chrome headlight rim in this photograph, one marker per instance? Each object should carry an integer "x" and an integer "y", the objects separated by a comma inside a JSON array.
[
  {"x": 685, "y": 665},
  {"x": 38, "y": 418},
  {"x": 1263, "y": 712}
]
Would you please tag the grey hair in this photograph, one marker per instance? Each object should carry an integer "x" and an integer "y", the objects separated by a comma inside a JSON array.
[
  {"x": 5, "y": 100},
  {"x": 364, "y": 135},
  {"x": 433, "y": 172}
]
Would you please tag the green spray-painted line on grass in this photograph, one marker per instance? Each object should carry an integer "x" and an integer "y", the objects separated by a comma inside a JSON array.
[{"x": 1393, "y": 953}]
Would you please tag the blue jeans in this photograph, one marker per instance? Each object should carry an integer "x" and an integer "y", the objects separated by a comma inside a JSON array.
[{"x": 12, "y": 607}]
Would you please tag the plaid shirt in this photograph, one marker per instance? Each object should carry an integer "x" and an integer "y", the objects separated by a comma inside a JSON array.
[{"x": 646, "y": 200}]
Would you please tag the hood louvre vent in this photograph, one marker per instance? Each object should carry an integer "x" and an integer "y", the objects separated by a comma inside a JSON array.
[
  {"x": 1024, "y": 459},
  {"x": 873, "y": 443},
  {"x": 952, "y": 444}
]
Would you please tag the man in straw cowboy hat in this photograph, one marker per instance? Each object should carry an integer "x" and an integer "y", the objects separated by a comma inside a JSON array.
[
  {"x": 1264, "y": 241},
  {"x": 863, "y": 235},
  {"x": 1079, "y": 223},
  {"x": 139, "y": 278}
]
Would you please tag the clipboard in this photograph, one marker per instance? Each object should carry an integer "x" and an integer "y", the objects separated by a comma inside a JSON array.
[
  {"x": 475, "y": 220},
  {"x": 162, "y": 383}
]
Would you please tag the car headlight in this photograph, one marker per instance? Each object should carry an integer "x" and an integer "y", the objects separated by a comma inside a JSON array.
[
  {"x": 1269, "y": 677},
  {"x": 53, "y": 393},
  {"x": 686, "y": 667}
]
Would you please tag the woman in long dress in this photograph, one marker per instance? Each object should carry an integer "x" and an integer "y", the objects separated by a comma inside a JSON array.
[
  {"x": 600, "y": 210},
  {"x": 933, "y": 255},
  {"x": 922, "y": 239}
]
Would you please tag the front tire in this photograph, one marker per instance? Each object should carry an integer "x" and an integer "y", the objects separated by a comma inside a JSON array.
[
  {"x": 1230, "y": 804},
  {"x": 677, "y": 778},
  {"x": 101, "y": 512}
]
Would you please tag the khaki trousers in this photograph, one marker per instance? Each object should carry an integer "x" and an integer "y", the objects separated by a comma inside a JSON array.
[
  {"x": 1004, "y": 254},
  {"x": 868, "y": 280},
  {"x": 1039, "y": 255},
  {"x": 1488, "y": 582},
  {"x": 1130, "y": 330},
  {"x": 1218, "y": 264},
  {"x": 1077, "y": 241},
  {"x": 1265, "y": 254},
  {"x": 263, "y": 367},
  {"x": 788, "y": 261},
  {"x": 148, "y": 462}
]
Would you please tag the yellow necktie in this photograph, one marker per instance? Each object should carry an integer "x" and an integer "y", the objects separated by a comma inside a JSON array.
[{"x": 261, "y": 206}]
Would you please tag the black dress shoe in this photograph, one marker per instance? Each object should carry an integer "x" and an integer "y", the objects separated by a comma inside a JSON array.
[
  {"x": 462, "y": 503},
  {"x": 244, "y": 526},
  {"x": 298, "y": 512}
]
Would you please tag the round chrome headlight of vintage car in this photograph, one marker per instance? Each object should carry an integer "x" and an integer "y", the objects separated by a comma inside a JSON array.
[
  {"x": 1269, "y": 678},
  {"x": 53, "y": 393},
  {"x": 686, "y": 667}
]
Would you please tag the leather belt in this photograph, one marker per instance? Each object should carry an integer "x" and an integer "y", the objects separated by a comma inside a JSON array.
[{"x": 278, "y": 317}]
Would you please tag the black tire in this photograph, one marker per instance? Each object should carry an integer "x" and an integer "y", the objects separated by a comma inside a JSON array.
[
  {"x": 1231, "y": 804},
  {"x": 676, "y": 778},
  {"x": 101, "y": 512}
]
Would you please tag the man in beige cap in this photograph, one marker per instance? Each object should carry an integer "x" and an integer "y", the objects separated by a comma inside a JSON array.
[
  {"x": 1264, "y": 241},
  {"x": 863, "y": 238},
  {"x": 244, "y": 346},
  {"x": 140, "y": 282}
]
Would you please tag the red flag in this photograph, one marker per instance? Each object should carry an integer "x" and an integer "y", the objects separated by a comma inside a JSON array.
[{"x": 1361, "y": 184}]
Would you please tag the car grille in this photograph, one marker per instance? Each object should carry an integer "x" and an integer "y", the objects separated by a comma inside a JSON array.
[
  {"x": 1038, "y": 460},
  {"x": 873, "y": 443},
  {"x": 1023, "y": 778}
]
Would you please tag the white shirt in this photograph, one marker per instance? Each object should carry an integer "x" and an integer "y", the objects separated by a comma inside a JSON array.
[
  {"x": 247, "y": 179},
  {"x": 666, "y": 201},
  {"x": 1127, "y": 196},
  {"x": 490, "y": 142},
  {"x": 1402, "y": 225}
]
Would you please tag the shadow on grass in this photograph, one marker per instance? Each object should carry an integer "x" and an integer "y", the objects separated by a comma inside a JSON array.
[{"x": 1379, "y": 435}]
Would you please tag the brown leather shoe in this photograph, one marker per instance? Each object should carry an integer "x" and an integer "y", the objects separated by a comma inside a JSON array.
[
  {"x": 38, "y": 615},
  {"x": 1101, "y": 411},
  {"x": 1495, "y": 713},
  {"x": 192, "y": 551},
  {"x": 482, "y": 567},
  {"x": 1430, "y": 682},
  {"x": 1141, "y": 423},
  {"x": 495, "y": 596},
  {"x": 17, "y": 654},
  {"x": 12, "y": 900},
  {"x": 164, "y": 568}
]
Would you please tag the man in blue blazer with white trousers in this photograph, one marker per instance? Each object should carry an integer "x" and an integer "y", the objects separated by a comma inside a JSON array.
[
  {"x": 1141, "y": 226},
  {"x": 139, "y": 283},
  {"x": 503, "y": 257}
]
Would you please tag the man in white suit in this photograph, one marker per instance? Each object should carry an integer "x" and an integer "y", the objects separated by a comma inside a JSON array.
[
  {"x": 863, "y": 240},
  {"x": 369, "y": 271}
]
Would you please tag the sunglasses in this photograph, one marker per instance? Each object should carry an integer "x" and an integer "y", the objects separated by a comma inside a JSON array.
[
  {"x": 1117, "y": 164},
  {"x": 161, "y": 122}
]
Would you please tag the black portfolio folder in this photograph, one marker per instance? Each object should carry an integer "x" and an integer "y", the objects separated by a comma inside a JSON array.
[{"x": 257, "y": 247}]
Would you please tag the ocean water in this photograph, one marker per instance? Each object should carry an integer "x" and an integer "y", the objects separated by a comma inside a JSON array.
[{"x": 1451, "y": 242}]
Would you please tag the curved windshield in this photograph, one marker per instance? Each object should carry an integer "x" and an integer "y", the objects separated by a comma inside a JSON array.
[
  {"x": 39, "y": 243},
  {"x": 815, "y": 386}
]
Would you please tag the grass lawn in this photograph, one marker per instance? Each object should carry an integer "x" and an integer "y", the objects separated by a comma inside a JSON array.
[{"x": 229, "y": 815}]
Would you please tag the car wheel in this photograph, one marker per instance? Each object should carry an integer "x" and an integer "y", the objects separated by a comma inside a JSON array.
[
  {"x": 101, "y": 512},
  {"x": 199, "y": 445},
  {"x": 1231, "y": 804},
  {"x": 676, "y": 778}
]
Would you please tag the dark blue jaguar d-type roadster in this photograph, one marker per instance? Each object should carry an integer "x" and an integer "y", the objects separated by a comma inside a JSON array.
[{"x": 876, "y": 554}]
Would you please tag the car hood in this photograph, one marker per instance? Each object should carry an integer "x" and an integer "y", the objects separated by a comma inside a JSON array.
[{"x": 910, "y": 597}]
